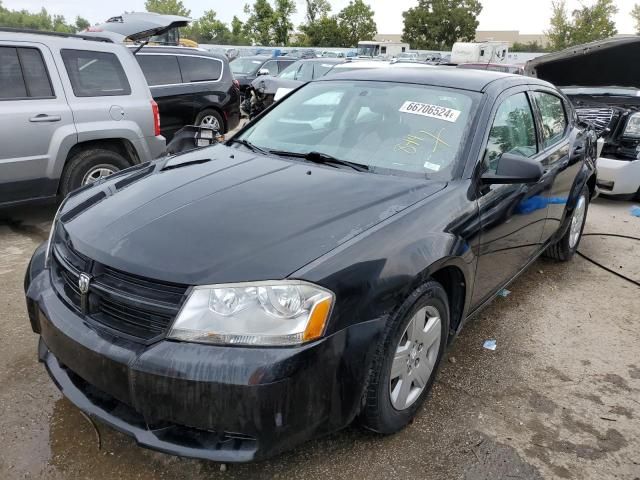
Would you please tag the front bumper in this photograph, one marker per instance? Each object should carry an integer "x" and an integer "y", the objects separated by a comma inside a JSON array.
[
  {"x": 618, "y": 177},
  {"x": 228, "y": 404}
]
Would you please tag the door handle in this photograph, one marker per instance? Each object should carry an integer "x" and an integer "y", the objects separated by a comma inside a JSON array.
[{"x": 43, "y": 117}]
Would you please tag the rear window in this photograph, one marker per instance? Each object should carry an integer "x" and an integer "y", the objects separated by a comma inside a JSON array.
[
  {"x": 199, "y": 69},
  {"x": 95, "y": 74},
  {"x": 160, "y": 69},
  {"x": 23, "y": 74}
]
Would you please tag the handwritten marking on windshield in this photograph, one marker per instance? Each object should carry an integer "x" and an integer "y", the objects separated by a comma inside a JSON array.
[{"x": 412, "y": 142}]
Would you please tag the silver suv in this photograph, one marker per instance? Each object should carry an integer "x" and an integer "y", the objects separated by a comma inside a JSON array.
[{"x": 73, "y": 109}]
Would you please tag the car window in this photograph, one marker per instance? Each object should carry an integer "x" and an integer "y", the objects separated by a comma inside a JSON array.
[
  {"x": 321, "y": 69},
  {"x": 283, "y": 65},
  {"x": 305, "y": 74},
  {"x": 35, "y": 73},
  {"x": 11, "y": 80},
  {"x": 245, "y": 66},
  {"x": 414, "y": 129},
  {"x": 95, "y": 74},
  {"x": 290, "y": 72},
  {"x": 553, "y": 116},
  {"x": 160, "y": 69},
  {"x": 513, "y": 131},
  {"x": 272, "y": 66},
  {"x": 198, "y": 69}
]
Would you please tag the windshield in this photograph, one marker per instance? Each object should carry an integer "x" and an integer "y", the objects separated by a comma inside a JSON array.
[
  {"x": 289, "y": 73},
  {"x": 406, "y": 128},
  {"x": 246, "y": 66}
]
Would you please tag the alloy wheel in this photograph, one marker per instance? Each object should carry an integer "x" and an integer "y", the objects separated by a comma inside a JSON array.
[
  {"x": 210, "y": 121},
  {"x": 415, "y": 358},
  {"x": 98, "y": 172}
]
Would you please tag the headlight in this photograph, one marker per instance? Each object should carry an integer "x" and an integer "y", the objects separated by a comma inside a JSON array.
[
  {"x": 261, "y": 313},
  {"x": 633, "y": 126},
  {"x": 52, "y": 232}
]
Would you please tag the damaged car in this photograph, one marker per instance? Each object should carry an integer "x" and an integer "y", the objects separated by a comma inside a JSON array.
[
  {"x": 601, "y": 81},
  {"x": 267, "y": 89},
  {"x": 234, "y": 301}
]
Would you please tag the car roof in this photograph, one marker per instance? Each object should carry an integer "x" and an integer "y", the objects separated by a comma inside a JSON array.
[
  {"x": 465, "y": 79},
  {"x": 323, "y": 60},
  {"x": 177, "y": 50},
  {"x": 37, "y": 36}
]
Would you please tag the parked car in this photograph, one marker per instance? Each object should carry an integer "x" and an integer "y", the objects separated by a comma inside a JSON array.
[
  {"x": 267, "y": 89},
  {"x": 248, "y": 296},
  {"x": 247, "y": 69},
  {"x": 600, "y": 80},
  {"x": 494, "y": 67},
  {"x": 191, "y": 87},
  {"x": 74, "y": 110},
  {"x": 154, "y": 28}
]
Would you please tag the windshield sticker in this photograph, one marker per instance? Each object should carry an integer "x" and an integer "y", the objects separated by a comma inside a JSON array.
[
  {"x": 256, "y": 61},
  {"x": 432, "y": 111},
  {"x": 410, "y": 143},
  {"x": 432, "y": 166}
]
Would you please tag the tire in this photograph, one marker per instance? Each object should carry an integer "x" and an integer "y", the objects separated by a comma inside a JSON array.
[
  {"x": 209, "y": 117},
  {"x": 88, "y": 166},
  {"x": 565, "y": 248},
  {"x": 384, "y": 388}
]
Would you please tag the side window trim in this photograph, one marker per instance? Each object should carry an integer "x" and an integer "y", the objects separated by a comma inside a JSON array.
[
  {"x": 538, "y": 115},
  {"x": 18, "y": 48},
  {"x": 182, "y": 76}
]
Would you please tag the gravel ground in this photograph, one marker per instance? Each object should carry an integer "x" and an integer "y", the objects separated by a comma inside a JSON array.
[{"x": 559, "y": 398}]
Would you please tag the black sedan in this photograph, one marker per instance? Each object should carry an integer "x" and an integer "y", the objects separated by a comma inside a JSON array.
[{"x": 232, "y": 302}]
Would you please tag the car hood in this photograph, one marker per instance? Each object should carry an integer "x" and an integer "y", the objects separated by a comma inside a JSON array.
[
  {"x": 139, "y": 25},
  {"x": 270, "y": 85},
  {"x": 604, "y": 63},
  {"x": 221, "y": 215}
]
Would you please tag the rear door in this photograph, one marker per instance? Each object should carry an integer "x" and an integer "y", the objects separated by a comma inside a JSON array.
[
  {"x": 560, "y": 162},
  {"x": 175, "y": 102},
  {"x": 34, "y": 120}
]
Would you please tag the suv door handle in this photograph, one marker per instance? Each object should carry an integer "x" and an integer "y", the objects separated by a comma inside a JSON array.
[{"x": 43, "y": 117}]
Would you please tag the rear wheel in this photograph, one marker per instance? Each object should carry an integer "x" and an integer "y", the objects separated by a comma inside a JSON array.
[
  {"x": 89, "y": 166},
  {"x": 565, "y": 248},
  {"x": 210, "y": 118},
  {"x": 407, "y": 360}
]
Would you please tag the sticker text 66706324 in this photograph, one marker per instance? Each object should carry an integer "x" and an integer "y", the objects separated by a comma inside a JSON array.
[{"x": 428, "y": 110}]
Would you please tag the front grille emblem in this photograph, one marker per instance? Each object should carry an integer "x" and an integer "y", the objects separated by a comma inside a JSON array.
[{"x": 83, "y": 286}]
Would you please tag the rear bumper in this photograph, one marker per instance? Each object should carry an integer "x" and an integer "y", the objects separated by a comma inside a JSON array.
[
  {"x": 228, "y": 404},
  {"x": 618, "y": 177}
]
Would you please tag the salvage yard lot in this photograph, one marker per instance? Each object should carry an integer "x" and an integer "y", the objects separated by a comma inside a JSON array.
[{"x": 559, "y": 398}]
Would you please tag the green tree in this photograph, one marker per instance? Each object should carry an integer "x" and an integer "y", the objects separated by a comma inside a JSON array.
[
  {"x": 167, "y": 7},
  {"x": 560, "y": 32},
  {"x": 594, "y": 23},
  {"x": 237, "y": 32},
  {"x": 208, "y": 29},
  {"x": 438, "y": 24},
  {"x": 527, "y": 47},
  {"x": 317, "y": 10},
  {"x": 635, "y": 14},
  {"x": 356, "y": 23},
  {"x": 82, "y": 24},
  {"x": 282, "y": 25},
  {"x": 259, "y": 25},
  {"x": 319, "y": 26},
  {"x": 36, "y": 21}
]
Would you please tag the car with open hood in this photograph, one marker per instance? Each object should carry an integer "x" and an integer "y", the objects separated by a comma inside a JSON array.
[
  {"x": 233, "y": 301},
  {"x": 602, "y": 81}
]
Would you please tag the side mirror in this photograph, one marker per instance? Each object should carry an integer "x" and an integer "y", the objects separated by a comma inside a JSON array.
[
  {"x": 263, "y": 71},
  {"x": 191, "y": 137},
  {"x": 514, "y": 169}
]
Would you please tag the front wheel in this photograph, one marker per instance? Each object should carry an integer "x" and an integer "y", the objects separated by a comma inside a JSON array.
[
  {"x": 565, "y": 248},
  {"x": 407, "y": 360}
]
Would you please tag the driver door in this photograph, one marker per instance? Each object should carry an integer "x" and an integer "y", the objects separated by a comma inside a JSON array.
[{"x": 512, "y": 216}]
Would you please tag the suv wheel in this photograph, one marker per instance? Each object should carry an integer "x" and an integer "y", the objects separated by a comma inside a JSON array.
[
  {"x": 88, "y": 166},
  {"x": 407, "y": 360},
  {"x": 565, "y": 248},
  {"x": 210, "y": 118}
]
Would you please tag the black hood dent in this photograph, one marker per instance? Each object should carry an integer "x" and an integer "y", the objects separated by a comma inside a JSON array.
[
  {"x": 236, "y": 219},
  {"x": 609, "y": 62}
]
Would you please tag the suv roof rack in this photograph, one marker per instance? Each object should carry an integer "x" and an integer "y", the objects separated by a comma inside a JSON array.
[{"x": 56, "y": 34}]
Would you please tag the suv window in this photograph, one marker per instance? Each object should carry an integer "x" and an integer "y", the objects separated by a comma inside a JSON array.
[
  {"x": 23, "y": 74},
  {"x": 160, "y": 69},
  {"x": 272, "y": 66},
  {"x": 321, "y": 69},
  {"x": 95, "y": 74},
  {"x": 199, "y": 69},
  {"x": 305, "y": 74},
  {"x": 553, "y": 116},
  {"x": 513, "y": 131}
]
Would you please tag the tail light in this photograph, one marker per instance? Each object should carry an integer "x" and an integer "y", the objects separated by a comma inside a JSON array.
[
  {"x": 156, "y": 118},
  {"x": 236, "y": 84}
]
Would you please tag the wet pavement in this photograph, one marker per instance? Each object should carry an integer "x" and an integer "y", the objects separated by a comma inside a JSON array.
[{"x": 558, "y": 398}]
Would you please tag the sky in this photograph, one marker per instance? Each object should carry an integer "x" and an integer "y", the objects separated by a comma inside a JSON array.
[{"x": 527, "y": 16}]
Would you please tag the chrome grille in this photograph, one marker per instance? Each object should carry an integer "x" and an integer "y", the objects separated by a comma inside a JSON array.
[{"x": 599, "y": 117}]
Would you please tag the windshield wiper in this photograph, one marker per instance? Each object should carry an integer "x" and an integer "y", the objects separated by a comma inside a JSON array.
[
  {"x": 249, "y": 145},
  {"x": 323, "y": 158}
]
